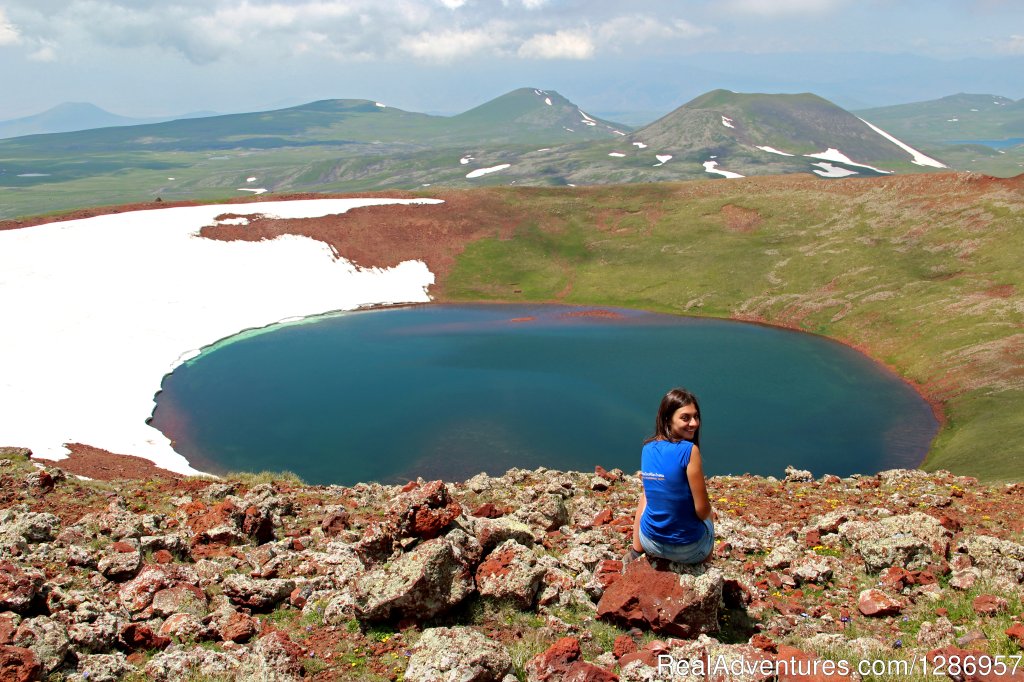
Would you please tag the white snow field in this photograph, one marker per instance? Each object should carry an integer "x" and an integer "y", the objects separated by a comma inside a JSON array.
[
  {"x": 484, "y": 171},
  {"x": 712, "y": 167},
  {"x": 833, "y": 154},
  {"x": 830, "y": 171},
  {"x": 918, "y": 158},
  {"x": 773, "y": 150},
  {"x": 96, "y": 311}
]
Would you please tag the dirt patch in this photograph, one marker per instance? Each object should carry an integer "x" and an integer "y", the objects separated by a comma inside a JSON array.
[
  {"x": 95, "y": 463},
  {"x": 1001, "y": 291},
  {"x": 739, "y": 219},
  {"x": 384, "y": 236}
]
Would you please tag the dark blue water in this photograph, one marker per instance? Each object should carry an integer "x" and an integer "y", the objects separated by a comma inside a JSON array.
[{"x": 448, "y": 391}]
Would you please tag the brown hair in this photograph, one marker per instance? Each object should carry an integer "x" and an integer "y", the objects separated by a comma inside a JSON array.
[{"x": 673, "y": 400}]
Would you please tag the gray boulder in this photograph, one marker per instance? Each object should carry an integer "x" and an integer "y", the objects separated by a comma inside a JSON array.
[{"x": 457, "y": 654}]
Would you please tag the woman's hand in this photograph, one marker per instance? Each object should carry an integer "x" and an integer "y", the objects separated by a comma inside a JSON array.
[{"x": 698, "y": 486}]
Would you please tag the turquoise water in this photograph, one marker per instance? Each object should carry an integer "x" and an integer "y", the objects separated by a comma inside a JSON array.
[{"x": 447, "y": 391}]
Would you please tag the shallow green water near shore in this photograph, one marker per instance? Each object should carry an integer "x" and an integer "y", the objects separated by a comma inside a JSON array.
[{"x": 447, "y": 391}]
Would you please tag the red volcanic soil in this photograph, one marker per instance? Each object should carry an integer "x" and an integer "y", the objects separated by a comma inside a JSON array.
[{"x": 95, "y": 463}]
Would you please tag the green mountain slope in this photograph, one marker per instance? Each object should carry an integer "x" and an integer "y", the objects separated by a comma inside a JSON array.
[{"x": 954, "y": 118}]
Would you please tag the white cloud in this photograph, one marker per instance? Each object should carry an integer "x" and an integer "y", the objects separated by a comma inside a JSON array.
[
  {"x": 47, "y": 52},
  {"x": 641, "y": 29},
  {"x": 453, "y": 4},
  {"x": 1012, "y": 45},
  {"x": 446, "y": 46},
  {"x": 771, "y": 8},
  {"x": 9, "y": 34},
  {"x": 534, "y": 4},
  {"x": 567, "y": 44}
]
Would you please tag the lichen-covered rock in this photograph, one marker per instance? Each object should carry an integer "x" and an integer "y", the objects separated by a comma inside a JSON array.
[
  {"x": 492, "y": 532},
  {"x": 137, "y": 594},
  {"x": 783, "y": 554},
  {"x": 101, "y": 668},
  {"x": 878, "y": 603},
  {"x": 274, "y": 658},
  {"x": 908, "y": 540},
  {"x": 420, "y": 584},
  {"x": 663, "y": 601},
  {"x": 996, "y": 556},
  {"x": 47, "y": 638},
  {"x": 794, "y": 475},
  {"x": 33, "y": 526},
  {"x": 121, "y": 562},
  {"x": 457, "y": 654},
  {"x": 183, "y": 626},
  {"x": 189, "y": 662},
  {"x": 901, "y": 550},
  {"x": 180, "y": 598},
  {"x": 547, "y": 513},
  {"x": 511, "y": 573},
  {"x": 19, "y": 588},
  {"x": 257, "y": 594},
  {"x": 816, "y": 569}
]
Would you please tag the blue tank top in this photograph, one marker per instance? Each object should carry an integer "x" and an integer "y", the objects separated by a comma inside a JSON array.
[{"x": 670, "y": 516}]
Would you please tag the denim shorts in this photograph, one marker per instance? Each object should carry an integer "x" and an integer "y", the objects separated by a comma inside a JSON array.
[{"x": 693, "y": 553}]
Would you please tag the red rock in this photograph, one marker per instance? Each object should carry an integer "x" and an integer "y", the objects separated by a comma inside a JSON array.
[
  {"x": 943, "y": 611},
  {"x": 581, "y": 671},
  {"x": 608, "y": 571},
  {"x": 411, "y": 485},
  {"x": 1016, "y": 633},
  {"x": 877, "y": 603},
  {"x": 600, "y": 471},
  {"x": 723, "y": 550},
  {"x": 423, "y": 511},
  {"x": 136, "y": 636},
  {"x": 624, "y": 644},
  {"x": 162, "y": 556},
  {"x": 759, "y": 641},
  {"x": 950, "y": 523},
  {"x": 19, "y": 665},
  {"x": 258, "y": 525},
  {"x": 603, "y": 517},
  {"x": 555, "y": 662},
  {"x": 812, "y": 539},
  {"x": 487, "y": 510},
  {"x": 120, "y": 546},
  {"x": 335, "y": 522},
  {"x": 18, "y": 588},
  {"x": 896, "y": 578},
  {"x": 7, "y": 628},
  {"x": 648, "y": 598},
  {"x": 239, "y": 628},
  {"x": 221, "y": 514},
  {"x": 792, "y": 664},
  {"x": 989, "y": 605}
]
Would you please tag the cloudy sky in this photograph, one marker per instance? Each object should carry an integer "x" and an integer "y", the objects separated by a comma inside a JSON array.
[{"x": 161, "y": 57}]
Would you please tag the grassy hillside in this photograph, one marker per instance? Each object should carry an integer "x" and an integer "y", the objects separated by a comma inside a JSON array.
[
  {"x": 921, "y": 272},
  {"x": 957, "y": 117}
]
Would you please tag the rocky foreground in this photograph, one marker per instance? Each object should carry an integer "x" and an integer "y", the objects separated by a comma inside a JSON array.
[{"x": 516, "y": 577}]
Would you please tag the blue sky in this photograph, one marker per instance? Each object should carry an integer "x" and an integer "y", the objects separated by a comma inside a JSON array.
[{"x": 160, "y": 57}]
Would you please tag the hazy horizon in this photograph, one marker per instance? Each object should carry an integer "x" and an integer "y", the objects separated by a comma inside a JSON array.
[{"x": 147, "y": 59}]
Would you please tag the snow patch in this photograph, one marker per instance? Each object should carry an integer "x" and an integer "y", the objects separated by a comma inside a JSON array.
[
  {"x": 545, "y": 149},
  {"x": 547, "y": 100},
  {"x": 96, "y": 335},
  {"x": 952, "y": 120},
  {"x": 382, "y": 106},
  {"x": 619, "y": 132},
  {"x": 662, "y": 159},
  {"x": 33, "y": 175},
  {"x": 711, "y": 167},
  {"x": 617, "y": 154},
  {"x": 640, "y": 145},
  {"x": 772, "y": 150},
  {"x": 569, "y": 129},
  {"x": 484, "y": 171},
  {"x": 727, "y": 122},
  {"x": 831, "y": 171},
  {"x": 918, "y": 158},
  {"x": 465, "y": 159},
  {"x": 832, "y": 154},
  {"x": 250, "y": 179},
  {"x": 254, "y": 190}
]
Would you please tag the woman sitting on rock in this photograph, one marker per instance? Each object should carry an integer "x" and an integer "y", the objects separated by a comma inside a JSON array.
[{"x": 673, "y": 518}]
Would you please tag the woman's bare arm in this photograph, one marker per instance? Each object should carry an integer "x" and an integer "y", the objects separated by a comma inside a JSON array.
[
  {"x": 641, "y": 505},
  {"x": 698, "y": 486}
]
